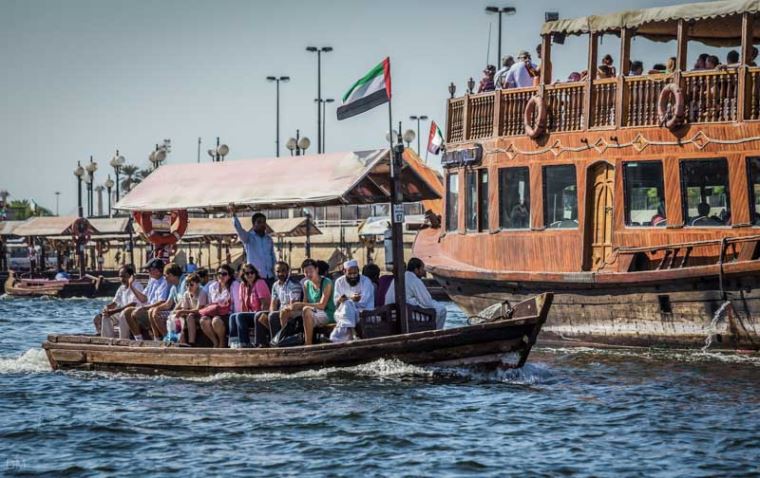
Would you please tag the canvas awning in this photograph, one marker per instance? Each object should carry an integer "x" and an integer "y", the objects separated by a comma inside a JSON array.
[
  {"x": 714, "y": 23},
  {"x": 292, "y": 227},
  {"x": 110, "y": 226},
  {"x": 48, "y": 226},
  {"x": 7, "y": 228},
  {"x": 360, "y": 177}
]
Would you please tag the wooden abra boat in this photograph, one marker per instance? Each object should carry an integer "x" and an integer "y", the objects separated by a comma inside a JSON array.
[
  {"x": 636, "y": 199},
  {"x": 63, "y": 289},
  {"x": 503, "y": 343}
]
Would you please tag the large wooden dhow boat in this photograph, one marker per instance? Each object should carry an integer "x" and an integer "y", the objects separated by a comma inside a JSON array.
[
  {"x": 636, "y": 199},
  {"x": 503, "y": 339}
]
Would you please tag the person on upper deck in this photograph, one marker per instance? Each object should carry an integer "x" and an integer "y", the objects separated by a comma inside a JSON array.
[
  {"x": 417, "y": 293},
  {"x": 258, "y": 245},
  {"x": 753, "y": 62},
  {"x": 701, "y": 61},
  {"x": 125, "y": 297},
  {"x": 486, "y": 83},
  {"x": 670, "y": 66},
  {"x": 712, "y": 62},
  {"x": 521, "y": 74},
  {"x": 500, "y": 79},
  {"x": 354, "y": 293},
  {"x": 318, "y": 307},
  {"x": 136, "y": 319},
  {"x": 254, "y": 297},
  {"x": 637, "y": 68},
  {"x": 604, "y": 71},
  {"x": 285, "y": 291},
  {"x": 609, "y": 63},
  {"x": 732, "y": 59}
]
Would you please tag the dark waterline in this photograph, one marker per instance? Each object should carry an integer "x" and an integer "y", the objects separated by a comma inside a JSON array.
[{"x": 568, "y": 412}]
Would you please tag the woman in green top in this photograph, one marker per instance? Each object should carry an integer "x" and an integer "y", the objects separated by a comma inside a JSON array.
[{"x": 318, "y": 308}]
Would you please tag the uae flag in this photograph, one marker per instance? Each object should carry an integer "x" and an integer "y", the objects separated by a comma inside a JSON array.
[
  {"x": 435, "y": 139},
  {"x": 373, "y": 89}
]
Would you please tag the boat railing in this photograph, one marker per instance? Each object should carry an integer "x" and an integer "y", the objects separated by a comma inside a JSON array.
[
  {"x": 710, "y": 96},
  {"x": 688, "y": 254}
]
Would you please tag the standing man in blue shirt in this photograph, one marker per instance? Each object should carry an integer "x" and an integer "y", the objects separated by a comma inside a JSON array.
[{"x": 259, "y": 246}]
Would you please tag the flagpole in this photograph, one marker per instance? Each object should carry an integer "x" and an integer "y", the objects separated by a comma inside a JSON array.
[{"x": 397, "y": 223}]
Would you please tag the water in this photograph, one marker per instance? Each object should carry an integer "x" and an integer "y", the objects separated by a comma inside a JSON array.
[{"x": 568, "y": 412}]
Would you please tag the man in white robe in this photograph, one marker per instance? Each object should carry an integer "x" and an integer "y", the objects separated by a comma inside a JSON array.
[
  {"x": 353, "y": 294},
  {"x": 417, "y": 293}
]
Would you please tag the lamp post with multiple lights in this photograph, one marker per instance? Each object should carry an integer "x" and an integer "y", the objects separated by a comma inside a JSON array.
[
  {"x": 217, "y": 154},
  {"x": 319, "y": 51},
  {"x": 418, "y": 118},
  {"x": 91, "y": 167},
  {"x": 109, "y": 185},
  {"x": 298, "y": 145},
  {"x": 117, "y": 162},
  {"x": 278, "y": 79},
  {"x": 324, "y": 118},
  {"x": 499, "y": 11}
]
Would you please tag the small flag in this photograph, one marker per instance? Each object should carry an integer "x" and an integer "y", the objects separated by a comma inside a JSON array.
[
  {"x": 435, "y": 139},
  {"x": 373, "y": 89}
]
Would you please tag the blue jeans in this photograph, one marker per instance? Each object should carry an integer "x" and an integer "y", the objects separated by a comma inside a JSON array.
[{"x": 240, "y": 325}]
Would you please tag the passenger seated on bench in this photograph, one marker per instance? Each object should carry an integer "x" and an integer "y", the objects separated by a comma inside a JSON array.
[
  {"x": 285, "y": 291},
  {"x": 220, "y": 293},
  {"x": 162, "y": 311},
  {"x": 353, "y": 294},
  {"x": 318, "y": 307},
  {"x": 188, "y": 309},
  {"x": 704, "y": 218},
  {"x": 416, "y": 292},
  {"x": 135, "y": 319},
  {"x": 254, "y": 297},
  {"x": 659, "y": 219},
  {"x": 125, "y": 297}
]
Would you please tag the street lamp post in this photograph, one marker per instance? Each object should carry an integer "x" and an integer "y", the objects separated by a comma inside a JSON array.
[
  {"x": 57, "y": 196},
  {"x": 418, "y": 119},
  {"x": 99, "y": 189},
  {"x": 278, "y": 79},
  {"x": 109, "y": 186},
  {"x": 298, "y": 145},
  {"x": 217, "y": 154},
  {"x": 324, "y": 118},
  {"x": 79, "y": 172},
  {"x": 500, "y": 11},
  {"x": 319, "y": 51},
  {"x": 117, "y": 162},
  {"x": 91, "y": 167}
]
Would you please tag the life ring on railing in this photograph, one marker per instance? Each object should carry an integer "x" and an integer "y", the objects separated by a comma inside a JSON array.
[
  {"x": 535, "y": 106},
  {"x": 678, "y": 112},
  {"x": 178, "y": 222},
  {"x": 80, "y": 229}
]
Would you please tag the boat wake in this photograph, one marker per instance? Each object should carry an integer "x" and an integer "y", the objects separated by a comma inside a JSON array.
[
  {"x": 688, "y": 356},
  {"x": 31, "y": 361}
]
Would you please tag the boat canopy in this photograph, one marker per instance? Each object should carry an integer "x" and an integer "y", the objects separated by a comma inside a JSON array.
[
  {"x": 199, "y": 227},
  {"x": 360, "y": 177},
  {"x": 712, "y": 23},
  {"x": 48, "y": 226},
  {"x": 7, "y": 228}
]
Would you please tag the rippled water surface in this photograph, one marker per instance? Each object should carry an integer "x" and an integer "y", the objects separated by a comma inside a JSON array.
[{"x": 568, "y": 412}]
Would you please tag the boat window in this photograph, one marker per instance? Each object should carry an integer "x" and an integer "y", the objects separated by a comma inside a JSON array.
[
  {"x": 704, "y": 187},
  {"x": 452, "y": 202},
  {"x": 514, "y": 198},
  {"x": 560, "y": 197},
  {"x": 471, "y": 201},
  {"x": 644, "y": 194},
  {"x": 483, "y": 200},
  {"x": 753, "y": 169}
]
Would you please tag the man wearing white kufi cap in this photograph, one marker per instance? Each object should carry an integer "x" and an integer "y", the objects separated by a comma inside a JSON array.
[{"x": 353, "y": 294}]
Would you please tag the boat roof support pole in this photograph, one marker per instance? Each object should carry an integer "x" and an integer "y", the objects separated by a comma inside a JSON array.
[
  {"x": 593, "y": 49},
  {"x": 682, "y": 40},
  {"x": 396, "y": 154},
  {"x": 546, "y": 59},
  {"x": 746, "y": 58},
  {"x": 625, "y": 60}
]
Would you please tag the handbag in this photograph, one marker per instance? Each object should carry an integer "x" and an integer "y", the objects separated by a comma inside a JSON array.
[
  {"x": 291, "y": 335},
  {"x": 214, "y": 310}
]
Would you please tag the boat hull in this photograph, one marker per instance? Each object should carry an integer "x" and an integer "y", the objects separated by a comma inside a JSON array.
[
  {"x": 20, "y": 287},
  {"x": 505, "y": 343},
  {"x": 669, "y": 313}
]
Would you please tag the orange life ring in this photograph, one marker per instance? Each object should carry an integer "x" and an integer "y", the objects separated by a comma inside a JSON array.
[
  {"x": 678, "y": 113},
  {"x": 537, "y": 106},
  {"x": 178, "y": 226},
  {"x": 80, "y": 229}
]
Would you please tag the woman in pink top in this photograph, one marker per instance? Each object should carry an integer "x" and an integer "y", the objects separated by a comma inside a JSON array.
[{"x": 254, "y": 297}]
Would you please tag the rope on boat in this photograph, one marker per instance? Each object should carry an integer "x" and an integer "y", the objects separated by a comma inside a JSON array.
[{"x": 494, "y": 312}]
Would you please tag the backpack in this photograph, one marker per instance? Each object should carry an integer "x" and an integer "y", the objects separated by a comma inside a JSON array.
[{"x": 291, "y": 335}]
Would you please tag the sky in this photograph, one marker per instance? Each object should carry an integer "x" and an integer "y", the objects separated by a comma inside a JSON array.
[{"x": 88, "y": 77}]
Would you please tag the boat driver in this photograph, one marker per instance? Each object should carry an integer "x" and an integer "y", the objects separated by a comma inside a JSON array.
[{"x": 417, "y": 293}]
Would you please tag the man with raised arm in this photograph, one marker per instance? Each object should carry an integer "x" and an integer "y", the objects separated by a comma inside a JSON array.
[{"x": 258, "y": 245}]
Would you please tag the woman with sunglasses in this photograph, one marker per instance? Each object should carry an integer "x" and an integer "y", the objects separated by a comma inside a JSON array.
[
  {"x": 214, "y": 320},
  {"x": 254, "y": 297}
]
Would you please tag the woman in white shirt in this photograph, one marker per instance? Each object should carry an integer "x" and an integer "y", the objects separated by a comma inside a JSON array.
[{"x": 214, "y": 322}]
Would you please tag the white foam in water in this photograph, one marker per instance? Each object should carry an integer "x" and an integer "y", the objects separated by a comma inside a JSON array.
[
  {"x": 712, "y": 329},
  {"x": 31, "y": 361}
]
